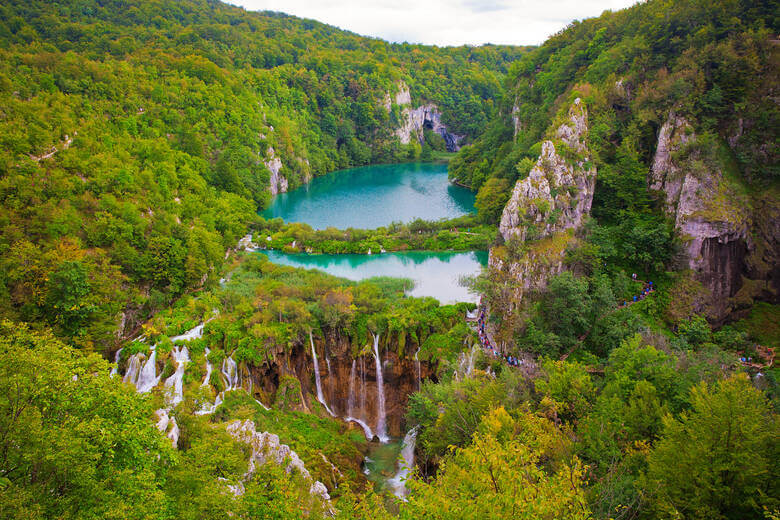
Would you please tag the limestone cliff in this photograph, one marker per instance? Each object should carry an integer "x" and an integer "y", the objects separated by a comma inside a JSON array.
[
  {"x": 413, "y": 121},
  {"x": 730, "y": 247},
  {"x": 548, "y": 205}
]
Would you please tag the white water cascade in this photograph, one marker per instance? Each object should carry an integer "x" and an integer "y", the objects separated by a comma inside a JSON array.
[
  {"x": 351, "y": 395},
  {"x": 405, "y": 465},
  {"x": 320, "y": 396},
  {"x": 417, "y": 368},
  {"x": 147, "y": 377},
  {"x": 176, "y": 381},
  {"x": 194, "y": 333},
  {"x": 115, "y": 370},
  {"x": 381, "y": 427},
  {"x": 164, "y": 422},
  {"x": 351, "y": 404},
  {"x": 230, "y": 372},
  {"x": 209, "y": 368}
]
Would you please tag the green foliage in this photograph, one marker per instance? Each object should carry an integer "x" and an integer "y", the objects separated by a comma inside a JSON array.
[
  {"x": 458, "y": 234},
  {"x": 137, "y": 138},
  {"x": 500, "y": 472},
  {"x": 718, "y": 461},
  {"x": 75, "y": 444},
  {"x": 491, "y": 199}
]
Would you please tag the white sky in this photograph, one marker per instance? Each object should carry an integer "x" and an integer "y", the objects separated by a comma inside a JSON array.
[{"x": 445, "y": 22}]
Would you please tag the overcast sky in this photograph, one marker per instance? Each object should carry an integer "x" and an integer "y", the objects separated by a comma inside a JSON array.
[{"x": 445, "y": 22}]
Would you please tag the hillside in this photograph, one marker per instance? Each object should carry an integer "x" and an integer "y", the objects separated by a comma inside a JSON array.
[
  {"x": 139, "y": 141},
  {"x": 159, "y": 358},
  {"x": 668, "y": 168}
]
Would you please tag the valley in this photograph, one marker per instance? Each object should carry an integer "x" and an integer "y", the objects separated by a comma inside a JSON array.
[{"x": 259, "y": 267}]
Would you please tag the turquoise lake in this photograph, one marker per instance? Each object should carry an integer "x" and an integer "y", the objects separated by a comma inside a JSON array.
[
  {"x": 374, "y": 196},
  {"x": 435, "y": 274}
]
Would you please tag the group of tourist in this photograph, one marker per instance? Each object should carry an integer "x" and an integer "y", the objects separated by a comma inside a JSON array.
[
  {"x": 488, "y": 346},
  {"x": 646, "y": 290}
]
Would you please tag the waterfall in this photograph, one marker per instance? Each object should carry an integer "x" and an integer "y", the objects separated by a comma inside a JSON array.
[
  {"x": 176, "y": 381},
  {"x": 320, "y": 396},
  {"x": 331, "y": 379},
  {"x": 230, "y": 372},
  {"x": 351, "y": 403},
  {"x": 147, "y": 376},
  {"x": 191, "y": 334},
  {"x": 115, "y": 370},
  {"x": 417, "y": 368},
  {"x": 208, "y": 369},
  {"x": 351, "y": 396},
  {"x": 405, "y": 465},
  {"x": 366, "y": 428},
  {"x": 164, "y": 421},
  {"x": 133, "y": 367},
  {"x": 363, "y": 384},
  {"x": 381, "y": 427}
]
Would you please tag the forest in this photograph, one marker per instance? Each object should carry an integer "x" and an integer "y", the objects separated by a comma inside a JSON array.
[
  {"x": 150, "y": 368},
  {"x": 136, "y": 142}
]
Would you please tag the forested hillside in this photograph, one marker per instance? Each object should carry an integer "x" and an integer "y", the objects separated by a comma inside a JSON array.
[
  {"x": 621, "y": 362},
  {"x": 138, "y": 140},
  {"x": 671, "y": 155}
]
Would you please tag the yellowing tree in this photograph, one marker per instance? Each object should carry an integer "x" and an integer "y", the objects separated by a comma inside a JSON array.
[{"x": 506, "y": 472}]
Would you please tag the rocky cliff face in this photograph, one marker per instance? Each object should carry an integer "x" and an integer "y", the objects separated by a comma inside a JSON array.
[
  {"x": 558, "y": 192},
  {"x": 725, "y": 242},
  {"x": 349, "y": 384},
  {"x": 548, "y": 206},
  {"x": 415, "y": 120}
]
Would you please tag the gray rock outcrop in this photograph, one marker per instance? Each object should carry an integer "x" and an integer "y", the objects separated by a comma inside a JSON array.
[
  {"x": 546, "y": 208},
  {"x": 415, "y": 120},
  {"x": 558, "y": 192},
  {"x": 725, "y": 244},
  {"x": 266, "y": 448}
]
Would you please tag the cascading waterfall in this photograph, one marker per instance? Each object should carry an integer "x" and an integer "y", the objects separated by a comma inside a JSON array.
[
  {"x": 209, "y": 368},
  {"x": 351, "y": 396},
  {"x": 331, "y": 379},
  {"x": 147, "y": 376},
  {"x": 163, "y": 422},
  {"x": 417, "y": 368},
  {"x": 320, "y": 396},
  {"x": 381, "y": 427},
  {"x": 230, "y": 372},
  {"x": 115, "y": 370},
  {"x": 176, "y": 381},
  {"x": 362, "y": 383},
  {"x": 133, "y": 368},
  {"x": 191, "y": 334},
  {"x": 351, "y": 403},
  {"x": 405, "y": 465}
]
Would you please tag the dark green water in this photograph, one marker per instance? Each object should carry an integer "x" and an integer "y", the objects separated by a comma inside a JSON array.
[
  {"x": 434, "y": 274},
  {"x": 374, "y": 196}
]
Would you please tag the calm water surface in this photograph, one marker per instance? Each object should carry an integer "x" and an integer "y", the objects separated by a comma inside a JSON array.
[
  {"x": 434, "y": 274},
  {"x": 374, "y": 196}
]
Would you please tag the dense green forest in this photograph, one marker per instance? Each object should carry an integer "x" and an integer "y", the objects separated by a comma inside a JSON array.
[
  {"x": 136, "y": 138},
  {"x": 135, "y": 144}
]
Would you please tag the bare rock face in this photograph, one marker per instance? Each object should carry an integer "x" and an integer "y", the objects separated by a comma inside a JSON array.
[
  {"x": 278, "y": 182},
  {"x": 415, "y": 120},
  {"x": 725, "y": 243},
  {"x": 546, "y": 208},
  {"x": 558, "y": 192}
]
